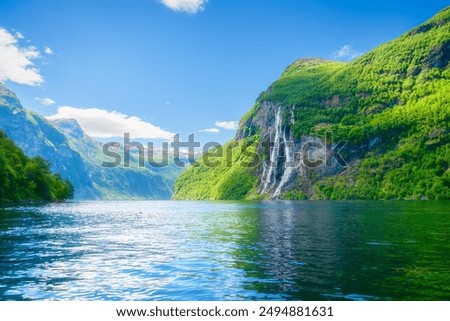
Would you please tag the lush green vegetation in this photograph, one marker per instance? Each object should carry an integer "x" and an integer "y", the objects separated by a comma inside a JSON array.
[
  {"x": 294, "y": 196},
  {"x": 392, "y": 105},
  {"x": 25, "y": 179},
  {"x": 225, "y": 173}
]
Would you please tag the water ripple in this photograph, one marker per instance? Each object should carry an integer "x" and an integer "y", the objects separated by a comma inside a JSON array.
[{"x": 225, "y": 251}]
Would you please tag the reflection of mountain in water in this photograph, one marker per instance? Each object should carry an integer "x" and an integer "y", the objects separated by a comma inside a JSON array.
[{"x": 317, "y": 251}]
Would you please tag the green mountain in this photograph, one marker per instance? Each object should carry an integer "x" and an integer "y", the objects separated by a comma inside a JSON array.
[
  {"x": 78, "y": 158},
  {"x": 24, "y": 179},
  {"x": 391, "y": 106}
]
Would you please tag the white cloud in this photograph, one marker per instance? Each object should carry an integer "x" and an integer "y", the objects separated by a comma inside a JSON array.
[
  {"x": 101, "y": 123},
  {"x": 48, "y": 51},
  {"x": 189, "y": 6},
  {"x": 230, "y": 125},
  {"x": 346, "y": 53},
  {"x": 19, "y": 35},
  {"x": 16, "y": 62},
  {"x": 209, "y": 130},
  {"x": 45, "y": 101}
]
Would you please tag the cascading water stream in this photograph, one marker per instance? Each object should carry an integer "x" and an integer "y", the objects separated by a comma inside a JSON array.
[
  {"x": 288, "y": 168},
  {"x": 285, "y": 141},
  {"x": 268, "y": 170}
]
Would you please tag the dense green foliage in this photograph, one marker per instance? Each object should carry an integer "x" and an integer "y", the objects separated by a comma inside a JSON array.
[
  {"x": 24, "y": 179},
  {"x": 294, "y": 196},
  {"x": 392, "y": 105},
  {"x": 225, "y": 173}
]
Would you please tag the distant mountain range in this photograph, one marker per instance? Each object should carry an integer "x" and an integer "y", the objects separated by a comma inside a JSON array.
[
  {"x": 78, "y": 158},
  {"x": 391, "y": 106}
]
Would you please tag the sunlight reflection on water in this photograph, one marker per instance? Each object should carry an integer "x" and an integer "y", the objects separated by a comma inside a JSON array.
[{"x": 225, "y": 251}]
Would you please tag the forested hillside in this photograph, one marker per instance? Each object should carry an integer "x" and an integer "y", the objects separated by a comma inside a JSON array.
[{"x": 25, "y": 179}]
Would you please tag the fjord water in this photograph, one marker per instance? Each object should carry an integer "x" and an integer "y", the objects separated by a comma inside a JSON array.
[{"x": 226, "y": 251}]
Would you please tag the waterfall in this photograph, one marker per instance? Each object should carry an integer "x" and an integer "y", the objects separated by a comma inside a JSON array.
[
  {"x": 283, "y": 139},
  {"x": 268, "y": 173},
  {"x": 289, "y": 168}
]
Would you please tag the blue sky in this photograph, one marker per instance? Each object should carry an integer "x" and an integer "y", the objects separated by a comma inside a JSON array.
[{"x": 178, "y": 66}]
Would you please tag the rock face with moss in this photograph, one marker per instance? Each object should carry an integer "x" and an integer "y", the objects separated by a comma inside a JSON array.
[{"x": 391, "y": 106}]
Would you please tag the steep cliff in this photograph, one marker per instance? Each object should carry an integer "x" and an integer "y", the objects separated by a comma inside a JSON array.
[{"x": 377, "y": 127}]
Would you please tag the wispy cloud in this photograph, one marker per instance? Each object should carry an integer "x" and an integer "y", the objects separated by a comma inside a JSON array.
[
  {"x": 48, "y": 51},
  {"x": 189, "y": 6},
  {"x": 45, "y": 101},
  {"x": 346, "y": 53},
  {"x": 229, "y": 125},
  {"x": 210, "y": 130},
  {"x": 16, "y": 62},
  {"x": 101, "y": 123}
]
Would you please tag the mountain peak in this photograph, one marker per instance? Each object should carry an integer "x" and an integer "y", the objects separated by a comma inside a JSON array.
[
  {"x": 69, "y": 127},
  {"x": 309, "y": 61},
  {"x": 8, "y": 98}
]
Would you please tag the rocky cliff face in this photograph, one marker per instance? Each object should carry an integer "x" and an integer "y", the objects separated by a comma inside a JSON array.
[{"x": 287, "y": 162}]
